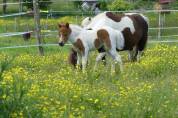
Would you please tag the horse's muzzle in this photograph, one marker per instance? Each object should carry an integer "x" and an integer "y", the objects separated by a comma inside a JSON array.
[{"x": 61, "y": 44}]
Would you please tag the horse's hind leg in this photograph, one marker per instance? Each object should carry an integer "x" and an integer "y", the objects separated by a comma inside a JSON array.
[
  {"x": 135, "y": 53},
  {"x": 98, "y": 58},
  {"x": 117, "y": 58},
  {"x": 141, "y": 46},
  {"x": 102, "y": 50}
]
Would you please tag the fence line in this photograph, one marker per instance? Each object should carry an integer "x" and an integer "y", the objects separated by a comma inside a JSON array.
[
  {"x": 18, "y": 3},
  {"x": 50, "y": 31},
  {"x": 14, "y": 34},
  {"x": 165, "y": 36},
  {"x": 26, "y": 46},
  {"x": 47, "y": 45},
  {"x": 156, "y": 28},
  {"x": 14, "y": 3},
  {"x": 15, "y": 14},
  {"x": 128, "y": 11}
]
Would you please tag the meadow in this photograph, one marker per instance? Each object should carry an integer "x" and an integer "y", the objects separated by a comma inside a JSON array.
[{"x": 47, "y": 86}]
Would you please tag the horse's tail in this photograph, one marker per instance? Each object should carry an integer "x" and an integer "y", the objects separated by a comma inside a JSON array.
[
  {"x": 103, "y": 37},
  {"x": 72, "y": 57},
  {"x": 142, "y": 43}
]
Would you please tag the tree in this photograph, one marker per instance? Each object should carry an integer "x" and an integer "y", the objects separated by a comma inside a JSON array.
[{"x": 43, "y": 4}]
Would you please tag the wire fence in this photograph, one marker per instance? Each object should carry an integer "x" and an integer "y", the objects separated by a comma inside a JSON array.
[{"x": 159, "y": 28}]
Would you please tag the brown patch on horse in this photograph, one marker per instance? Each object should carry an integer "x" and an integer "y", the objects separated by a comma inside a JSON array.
[
  {"x": 114, "y": 17},
  {"x": 65, "y": 31},
  {"x": 103, "y": 37},
  {"x": 130, "y": 40},
  {"x": 97, "y": 43},
  {"x": 79, "y": 45}
]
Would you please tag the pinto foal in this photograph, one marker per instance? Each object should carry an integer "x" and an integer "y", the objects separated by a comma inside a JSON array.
[{"x": 89, "y": 40}]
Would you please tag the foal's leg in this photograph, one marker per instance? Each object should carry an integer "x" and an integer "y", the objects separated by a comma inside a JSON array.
[
  {"x": 84, "y": 60},
  {"x": 78, "y": 60},
  {"x": 99, "y": 58},
  {"x": 102, "y": 50},
  {"x": 116, "y": 57}
]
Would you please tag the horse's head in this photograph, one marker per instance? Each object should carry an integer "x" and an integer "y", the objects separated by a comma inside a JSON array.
[{"x": 64, "y": 33}]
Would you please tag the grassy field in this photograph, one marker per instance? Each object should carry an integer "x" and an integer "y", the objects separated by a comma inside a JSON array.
[{"x": 47, "y": 86}]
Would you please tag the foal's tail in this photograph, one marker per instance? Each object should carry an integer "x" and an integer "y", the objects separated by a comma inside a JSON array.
[
  {"x": 103, "y": 37},
  {"x": 72, "y": 57}
]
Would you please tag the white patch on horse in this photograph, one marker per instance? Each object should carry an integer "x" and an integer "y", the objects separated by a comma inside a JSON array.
[
  {"x": 102, "y": 20},
  {"x": 75, "y": 31}
]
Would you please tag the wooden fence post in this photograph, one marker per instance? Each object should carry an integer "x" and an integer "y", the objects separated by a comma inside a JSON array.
[
  {"x": 159, "y": 25},
  {"x": 20, "y": 6},
  {"x": 37, "y": 25}
]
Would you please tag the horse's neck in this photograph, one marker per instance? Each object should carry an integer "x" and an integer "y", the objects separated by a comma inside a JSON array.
[{"x": 76, "y": 30}]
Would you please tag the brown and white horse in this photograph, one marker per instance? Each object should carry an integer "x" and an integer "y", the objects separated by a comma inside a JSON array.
[
  {"x": 133, "y": 26},
  {"x": 89, "y": 40}
]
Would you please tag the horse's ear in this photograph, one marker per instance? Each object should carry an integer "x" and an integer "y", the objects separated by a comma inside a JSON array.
[
  {"x": 59, "y": 25},
  {"x": 89, "y": 18},
  {"x": 67, "y": 25}
]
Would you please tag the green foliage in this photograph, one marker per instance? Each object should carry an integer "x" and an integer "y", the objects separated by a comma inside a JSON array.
[
  {"x": 120, "y": 5},
  {"x": 143, "y": 4},
  {"x": 77, "y": 4},
  {"x": 103, "y": 4},
  {"x": 43, "y": 4},
  {"x": 174, "y": 5}
]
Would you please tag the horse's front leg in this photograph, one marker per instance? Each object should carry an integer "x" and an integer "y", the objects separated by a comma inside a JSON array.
[
  {"x": 78, "y": 58},
  {"x": 84, "y": 60},
  {"x": 130, "y": 55}
]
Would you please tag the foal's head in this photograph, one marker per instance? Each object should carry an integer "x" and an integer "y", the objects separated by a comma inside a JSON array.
[{"x": 64, "y": 33}]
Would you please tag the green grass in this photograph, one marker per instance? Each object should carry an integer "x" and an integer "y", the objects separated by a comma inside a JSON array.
[{"x": 47, "y": 86}]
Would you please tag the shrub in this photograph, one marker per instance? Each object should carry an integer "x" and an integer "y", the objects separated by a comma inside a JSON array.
[
  {"x": 120, "y": 5},
  {"x": 43, "y": 4}
]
